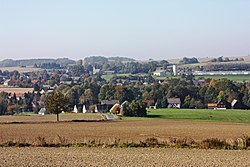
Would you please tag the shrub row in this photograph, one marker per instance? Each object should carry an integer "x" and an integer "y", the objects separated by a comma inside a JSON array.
[{"x": 153, "y": 142}]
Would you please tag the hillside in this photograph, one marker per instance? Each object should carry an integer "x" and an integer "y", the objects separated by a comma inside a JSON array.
[
  {"x": 32, "y": 62},
  {"x": 102, "y": 59}
]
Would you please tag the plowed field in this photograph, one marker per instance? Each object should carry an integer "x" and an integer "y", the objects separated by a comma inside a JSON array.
[
  {"x": 124, "y": 130},
  {"x": 172, "y": 157}
]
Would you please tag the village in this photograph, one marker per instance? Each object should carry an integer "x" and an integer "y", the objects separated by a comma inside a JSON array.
[{"x": 87, "y": 89}]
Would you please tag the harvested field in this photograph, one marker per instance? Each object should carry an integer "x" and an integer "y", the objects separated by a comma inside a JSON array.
[
  {"x": 125, "y": 131},
  {"x": 12, "y": 156},
  {"x": 20, "y": 69},
  {"x": 48, "y": 118}
]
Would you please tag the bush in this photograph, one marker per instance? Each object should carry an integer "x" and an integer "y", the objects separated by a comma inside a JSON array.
[{"x": 135, "y": 109}]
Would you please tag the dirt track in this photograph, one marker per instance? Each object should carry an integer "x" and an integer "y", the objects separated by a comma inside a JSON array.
[{"x": 171, "y": 157}]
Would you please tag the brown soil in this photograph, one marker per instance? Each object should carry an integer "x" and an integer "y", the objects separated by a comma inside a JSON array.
[
  {"x": 48, "y": 118},
  {"x": 124, "y": 130},
  {"x": 12, "y": 156}
]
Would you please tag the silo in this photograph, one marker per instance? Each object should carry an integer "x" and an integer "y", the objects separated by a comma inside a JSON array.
[{"x": 175, "y": 70}]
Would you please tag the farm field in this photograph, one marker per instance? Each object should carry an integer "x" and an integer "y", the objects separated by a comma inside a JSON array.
[
  {"x": 20, "y": 69},
  {"x": 16, "y": 90},
  {"x": 108, "y": 77},
  {"x": 34, "y": 118},
  {"x": 109, "y": 131},
  {"x": 109, "y": 157},
  {"x": 208, "y": 115},
  {"x": 197, "y": 124},
  {"x": 205, "y": 60},
  {"x": 238, "y": 78}
]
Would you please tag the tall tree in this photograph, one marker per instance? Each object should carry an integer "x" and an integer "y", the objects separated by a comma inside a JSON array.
[{"x": 57, "y": 103}]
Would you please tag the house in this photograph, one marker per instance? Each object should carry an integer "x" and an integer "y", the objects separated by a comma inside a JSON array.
[
  {"x": 109, "y": 102},
  {"x": 96, "y": 71},
  {"x": 150, "y": 103},
  {"x": 236, "y": 104},
  {"x": 223, "y": 105},
  {"x": 66, "y": 82},
  {"x": 106, "y": 105},
  {"x": 42, "y": 111},
  {"x": 7, "y": 82},
  {"x": 212, "y": 105},
  {"x": 161, "y": 73},
  {"x": 174, "y": 102}
]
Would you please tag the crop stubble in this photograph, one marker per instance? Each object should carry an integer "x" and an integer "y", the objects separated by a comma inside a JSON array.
[
  {"x": 37, "y": 156},
  {"x": 123, "y": 130}
]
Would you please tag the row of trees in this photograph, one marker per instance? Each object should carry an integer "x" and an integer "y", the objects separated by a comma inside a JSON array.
[
  {"x": 90, "y": 93},
  {"x": 192, "y": 96}
]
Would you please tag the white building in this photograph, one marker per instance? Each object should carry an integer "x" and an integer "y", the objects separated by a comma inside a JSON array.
[
  {"x": 161, "y": 73},
  {"x": 175, "y": 72}
]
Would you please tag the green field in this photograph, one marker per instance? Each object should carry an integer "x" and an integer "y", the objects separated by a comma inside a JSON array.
[
  {"x": 108, "y": 77},
  {"x": 240, "y": 116},
  {"x": 238, "y": 78}
]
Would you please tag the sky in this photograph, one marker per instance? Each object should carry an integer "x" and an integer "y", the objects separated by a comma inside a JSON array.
[{"x": 140, "y": 29}]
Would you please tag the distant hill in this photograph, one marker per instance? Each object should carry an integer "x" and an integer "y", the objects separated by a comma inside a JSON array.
[
  {"x": 207, "y": 59},
  {"x": 102, "y": 59},
  {"x": 121, "y": 59},
  {"x": 31, "y": 62}
]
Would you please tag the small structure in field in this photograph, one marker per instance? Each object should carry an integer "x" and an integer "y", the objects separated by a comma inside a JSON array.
[
  {"x": 84, "y": 109},
  {"x": 42, "y": 111},
  {"x": 174, "y": 103}
]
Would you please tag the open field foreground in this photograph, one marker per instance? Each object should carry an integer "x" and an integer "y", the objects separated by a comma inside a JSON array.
[
  {"x": 34, "y": 118},
  {"x": 121, "y": 131},
  {"x": 37, "y": 156}
]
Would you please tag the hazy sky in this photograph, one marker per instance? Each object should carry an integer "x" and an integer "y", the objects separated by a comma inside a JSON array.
[{"x": 142, "y": 29}]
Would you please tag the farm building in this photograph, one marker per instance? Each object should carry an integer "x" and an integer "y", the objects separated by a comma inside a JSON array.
[
  {"x": 106, "y": 105},
  {"x": 174, "y": 103},
  {"x": 222, "y": 104},
  {"x": 212, "y": 105},
  {"x": 161, "y": 73},
  {"x": 236, "y": 104}
]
